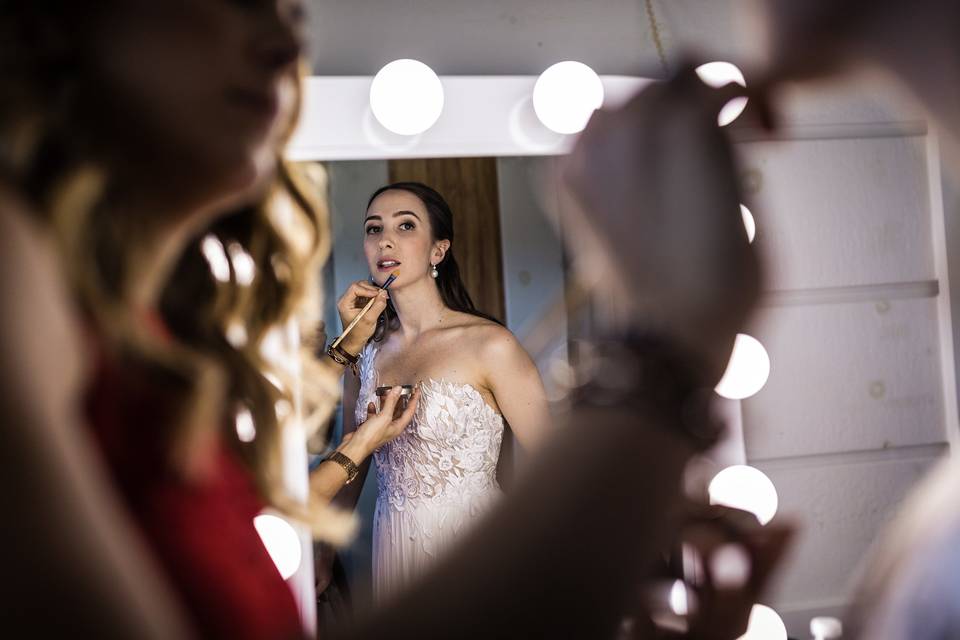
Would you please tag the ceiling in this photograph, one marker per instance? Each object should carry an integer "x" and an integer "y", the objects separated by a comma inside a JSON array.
[{"x": 500, "y": 37}]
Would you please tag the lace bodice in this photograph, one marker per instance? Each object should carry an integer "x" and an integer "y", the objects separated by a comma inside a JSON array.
[{"x": 448, "y": 453}]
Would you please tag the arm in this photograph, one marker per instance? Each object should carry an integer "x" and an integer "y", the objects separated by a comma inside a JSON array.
[
  {"x": 378, "y": 429},
  {"x": 516, "y": 385},
  {"x": 349, "y": 495},
  {"x": 329, "y": 479},
  {"x": 329, "y": 482},
  {"x": 331, "y": 486}
]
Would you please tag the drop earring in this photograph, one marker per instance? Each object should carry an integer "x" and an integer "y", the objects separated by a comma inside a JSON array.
[{"x": 433, "y": 271}]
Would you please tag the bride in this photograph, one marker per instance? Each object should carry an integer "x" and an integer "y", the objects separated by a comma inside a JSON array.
[{"x": 438, "y": 477}]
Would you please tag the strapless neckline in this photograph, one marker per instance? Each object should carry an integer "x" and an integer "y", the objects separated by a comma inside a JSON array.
[{"x": 442, "y": 383}]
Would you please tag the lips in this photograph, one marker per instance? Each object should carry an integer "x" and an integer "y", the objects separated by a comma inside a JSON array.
[{"x": 387, "y": 264}]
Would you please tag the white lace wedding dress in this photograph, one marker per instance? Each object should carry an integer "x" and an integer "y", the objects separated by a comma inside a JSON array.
[{"x": 434, "y": 481}]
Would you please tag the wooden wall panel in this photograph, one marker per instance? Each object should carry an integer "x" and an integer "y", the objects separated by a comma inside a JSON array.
[{"x": 469, "y": 185}]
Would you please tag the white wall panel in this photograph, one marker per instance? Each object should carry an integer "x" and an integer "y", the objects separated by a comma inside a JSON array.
[
  {"x": 847, "y": 377},
  {"x": 857, "y": 101},
  {"x": 842, "y": 508},
  {"x": 834, "y": 213}
]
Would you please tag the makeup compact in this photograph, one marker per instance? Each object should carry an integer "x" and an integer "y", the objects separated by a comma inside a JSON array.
[{"x": 406, "y": 390}]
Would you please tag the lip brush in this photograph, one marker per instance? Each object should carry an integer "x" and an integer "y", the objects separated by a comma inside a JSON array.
[{"x": 353, "y": 323}]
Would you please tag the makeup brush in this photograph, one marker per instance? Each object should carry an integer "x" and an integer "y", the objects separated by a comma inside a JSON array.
[{"x": 353, "y": 323}]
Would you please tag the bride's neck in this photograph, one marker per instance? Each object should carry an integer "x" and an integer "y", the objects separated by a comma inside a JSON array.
[{"x": 419, "y": 308}]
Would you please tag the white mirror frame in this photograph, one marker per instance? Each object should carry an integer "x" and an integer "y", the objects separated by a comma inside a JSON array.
[{"x": 482, "y": 116}]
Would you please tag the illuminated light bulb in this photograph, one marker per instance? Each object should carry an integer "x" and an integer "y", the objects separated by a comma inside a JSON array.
[
  {"x": 749, "y": 223},
  {"x": 281, "y": 541},
  {"x": 764, "y": 624},
  {"x": 246, "y": 430},
  {"x": 678, "y": 598},
  {"x": 719, "y": 74},
  {"x": 216, "y": 257},
  {"x": 243, "y": 265},
  {"x": 283, "y": 409},
  {"x": 747, "y": 488},
  {"x": 747, "y": 371},
  {"x": 236, "y": 335},
  {"x": 566, "y": 95},
  {"x": 826, "y": 628},
  {"x": 406, "y": 97},
  {"x": 730, "y": 566}
]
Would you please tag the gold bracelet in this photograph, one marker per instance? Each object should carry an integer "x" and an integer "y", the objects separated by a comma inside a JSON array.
[{"x": 348, "y": 465}]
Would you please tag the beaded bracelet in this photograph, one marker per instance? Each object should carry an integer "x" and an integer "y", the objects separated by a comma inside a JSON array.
[{"x": 340, "y": 355}]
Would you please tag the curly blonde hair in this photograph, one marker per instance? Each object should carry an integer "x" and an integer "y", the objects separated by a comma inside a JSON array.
[{"x": 207, "y": 374}]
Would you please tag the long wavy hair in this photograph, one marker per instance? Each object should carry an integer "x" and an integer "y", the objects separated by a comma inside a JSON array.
[
  {"x": 207, "y": 373},
  {"x": 452, "y": 290},
  {"x": 237, "y": 290}
]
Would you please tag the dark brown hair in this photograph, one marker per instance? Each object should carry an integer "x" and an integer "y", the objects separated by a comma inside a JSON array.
[{"x": 452, "y": 290}]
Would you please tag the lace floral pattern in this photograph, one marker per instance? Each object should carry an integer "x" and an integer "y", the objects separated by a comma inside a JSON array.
[{"x": 436, "y": 478}]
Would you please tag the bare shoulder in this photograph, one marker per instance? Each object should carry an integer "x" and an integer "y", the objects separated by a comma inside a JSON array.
[
  {"x": 481, "y": 334},
  {"x": 496, "y": 346}
]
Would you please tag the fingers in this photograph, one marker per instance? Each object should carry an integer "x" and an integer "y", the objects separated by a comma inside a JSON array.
[
  {"x": 357, "y": 295},
  {"x": 390, "y": 401},
  {"x": 401, "y": 423},
  {"x": 762, "y": 545},
  {"x": 768, "y": 547},
  {"x": 379, "y": 304}
]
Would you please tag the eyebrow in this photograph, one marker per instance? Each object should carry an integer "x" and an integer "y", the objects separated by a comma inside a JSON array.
[{"x": 395, "y": 214}]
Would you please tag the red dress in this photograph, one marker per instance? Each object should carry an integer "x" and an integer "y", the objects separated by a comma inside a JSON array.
[{"x": 201, "y": 532}]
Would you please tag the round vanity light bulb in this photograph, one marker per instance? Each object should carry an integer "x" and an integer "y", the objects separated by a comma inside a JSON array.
[
  {"x": 718, "y": 74},
  {"x": 246, "y": 429},
  {"x": 406, "y": 97},
  {"x": 281, "y": 541},
  {"x": 744, "y": 487},
  {"x": 566, "y": 95},
  {"x": 826, "y": 628},
  {"x": 679, "y": 603},
  {"x": 748, "y": 223},
  {"x": 216, "y": 257},
  {"x": 244, "y": 268},
  {"x": 764, "y": 624},
  {"x": 747, "y": 371}
]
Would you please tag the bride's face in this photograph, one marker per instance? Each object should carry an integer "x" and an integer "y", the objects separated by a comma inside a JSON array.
[{"x": 398, "y": 236}]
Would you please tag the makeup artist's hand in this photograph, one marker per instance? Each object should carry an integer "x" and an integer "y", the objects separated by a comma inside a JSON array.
[
  {"x": 918, "y": 41},
  {"x": 350, "y": 304},
  {"x": 651, "y": 212},
  {"x": 380, "y": 427},
  {"x": 817, "y": 38},
  {"x": 738, "y": 557}
]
